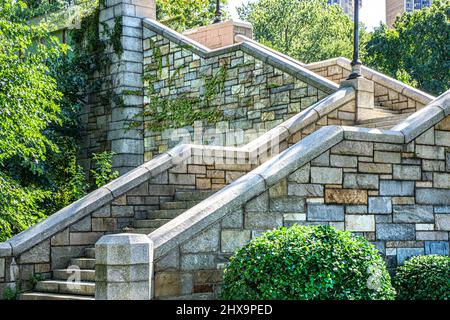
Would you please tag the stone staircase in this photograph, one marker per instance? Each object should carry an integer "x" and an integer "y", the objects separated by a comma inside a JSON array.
[
  {"x": 62, "y": 285},
  {"x": 381, "y": 118}
]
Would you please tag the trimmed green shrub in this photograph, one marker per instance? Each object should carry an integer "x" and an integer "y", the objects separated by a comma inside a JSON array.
[
  {"x": 424, "y": 278},
  {"x": 307, "y": 262}
]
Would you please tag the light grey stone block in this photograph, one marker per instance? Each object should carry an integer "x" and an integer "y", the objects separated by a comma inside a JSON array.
[
  {"x": 357, "y": 148},
  {"x": 322, "y": 160},
  {"x": 198, "y": 261},
  {"x": 360, "y": 223},
  {"x": 343, "y": 161},
  {"x": 439, "y": 197},
  {"x": 360, "y": 209},
  {"x": 396, "y": 188},
  {"x": 2, "y": 268},
  {"x": 205, "y": 241},
  {"x": 263, "y": 220},
  {"x": 402, "y": 172},
  {"x": 390, "y": 231},
  {"x": 321, "y": 212},
  {"x": 82, "y": 225},
  {"x": 430, "y": 152},
  {"x": 123, "y": 290},
  {"x": 432, "y": 235},
  {"x": 413, "y": 214},
  {"x": 442, "y": 209},
  {"x": 300, "y": 175},
  {"x": 124, "y": 249},
  {"x": 360, "y": 181},
  {"x": 305, "y": 190},
  {"x": 231, "y": 240},
  {"x": 380, "y": 205},
  {"x": 38, "y": 254},
  {"x": 290, "y": 204},
  {"x": 234, "y": 219},
  {"x": 442, "y": 222},
  {"x": 258, "y": 204},
  {"x": 326, "y": 175},
  {"x": 441, "y": 180}
]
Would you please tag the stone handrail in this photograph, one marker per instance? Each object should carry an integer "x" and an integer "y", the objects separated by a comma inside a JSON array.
[
  {"x": 345, "y": 63},
  {"x": 106, "y": 194},
  {"x": 278, "y": 60},
  {"x": 268, "y": 174},
  {"x": 377, "y": 77}
]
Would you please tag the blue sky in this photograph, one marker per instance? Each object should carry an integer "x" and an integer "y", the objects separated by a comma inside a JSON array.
[{"x": 372, "y": 11}]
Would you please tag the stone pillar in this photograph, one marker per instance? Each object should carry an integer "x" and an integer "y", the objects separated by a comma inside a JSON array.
[
  {"x": 221, "y": 34},
  {"x": 364, "y": 96},
  {"x": 123, "y": 267},
  {"x": 122, "y": 86}
]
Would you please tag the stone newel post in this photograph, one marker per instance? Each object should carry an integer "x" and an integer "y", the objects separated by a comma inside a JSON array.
[{"x": 123, "y": 267}]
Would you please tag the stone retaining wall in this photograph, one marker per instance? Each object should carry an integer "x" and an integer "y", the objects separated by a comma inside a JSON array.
[
  {"x": 253, "y": 96},
  {"x": 384, "y": 185}
]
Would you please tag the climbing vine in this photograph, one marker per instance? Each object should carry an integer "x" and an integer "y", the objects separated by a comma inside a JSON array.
[{"x": 183, "y": 110}]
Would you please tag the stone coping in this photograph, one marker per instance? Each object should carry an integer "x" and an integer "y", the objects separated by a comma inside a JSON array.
[
  {"x": 177, "y": 155},
  {"x": 272, "y": 171},
  {"x": 277, "y": 60},
  {"x": 377, "y": 77},
  {"x": 237, "y": 23}
]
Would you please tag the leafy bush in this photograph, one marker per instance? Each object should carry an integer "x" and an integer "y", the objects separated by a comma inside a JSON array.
[
  {"x": 424, "y": 278},
  {"x": 102, "y": 171},
  {"x": 301, "y": 262}
]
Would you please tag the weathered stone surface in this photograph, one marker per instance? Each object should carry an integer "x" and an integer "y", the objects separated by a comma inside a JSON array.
[
  {"x": 37, "y": 254},
  {"x": 375, "y": 167},
  {"x": 84, "y": 238},
  {"x": 62, "y": 255},
  {"x": 380, "y": 205},
  {"x": 262, "y": 220},
  {"x": 305, "y": 190},
  {"x": 386, "y": 231},
  {"x": 167, "y": 284},
  {"x": 124, "y": 249},
  {"x": 232, "y": 240},
  {"x": 396, "y": 188},
  {"x": 326, "y": 175},
  {"x": 360, "y": 223},
  {"x": 61, "y": 238},
  {"x": 258, "y": 204},
  {"x": 431, "y": 235},
  {"x": 437, "y": 247},
  {"x": 433, "y": 196},
  {"x": 361, "y": 181},
  {"x": 413, "y": 213},
  {"x": 402, "y": 172},
  {"x": 358, "y": 148},
  {"x": 198, "y": 261},
  {"x": 300, "y": 175},
  {"x": 441, "y": 180},
  {"x": 290, "y": 204},
  {"x": 387, "y": 157},
  {"x": 405, "y": 253},
  {"x": 360, "y": 209},
  {"x": 343, "y": 161},
  {"x": 442, "y": 222},
  {"x": 206, "y": 241},
  {"x": 321, "y": 212},
  {"x": 234, "y": 219},
  {"x": 170, "y": 261},
  {"x": 346, "y": 196}
]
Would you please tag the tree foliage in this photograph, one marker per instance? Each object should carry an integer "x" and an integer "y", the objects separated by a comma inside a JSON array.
[
  {"x": 181, "y": 15},
  {"x": 309, "y": 30},
  {"x": 417, "y": 48}
]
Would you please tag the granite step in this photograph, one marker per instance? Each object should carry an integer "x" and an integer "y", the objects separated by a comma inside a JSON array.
[
  {"x": 65, "y": 274},
  {"x": 165, "y": 214},
  {"x": 66, "y": 287},
  {"x": 83, "y": 263},
  {"x": 52, "y": 296}
]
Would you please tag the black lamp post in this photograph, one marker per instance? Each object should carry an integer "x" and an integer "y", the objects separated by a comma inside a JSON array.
[
  {"x": 356, "y": 63},
  {"x": 218, "y": 16}
]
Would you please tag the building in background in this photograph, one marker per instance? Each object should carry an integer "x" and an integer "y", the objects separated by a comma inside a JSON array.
[
  {"x": 395, "y": 8},
  {"x": 346, "y": 5}
]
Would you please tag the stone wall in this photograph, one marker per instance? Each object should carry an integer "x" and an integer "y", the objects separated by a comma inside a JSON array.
[
  {"x": 394, "y": 194},
  {"x": 389, "y": 93},
  {"x": 118, "y": 94},
  {"x": 252, "y": 97}
]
